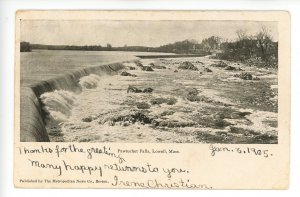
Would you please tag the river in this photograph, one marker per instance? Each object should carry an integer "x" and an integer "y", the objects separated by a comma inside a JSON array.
[{"x": 168, "y": 105}]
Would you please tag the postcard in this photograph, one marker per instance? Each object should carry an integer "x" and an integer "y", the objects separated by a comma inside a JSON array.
[{"x": 152, "y": 99}]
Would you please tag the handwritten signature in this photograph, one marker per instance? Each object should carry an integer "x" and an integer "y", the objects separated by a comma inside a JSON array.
[{"x": 154, "y": 183}]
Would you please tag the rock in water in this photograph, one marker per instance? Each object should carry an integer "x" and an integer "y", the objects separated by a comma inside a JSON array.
[
  {"x": 87, "y": 119},
  {"x": 198, "y": 62},
  {"x": 188, "y": 66},
  {"x": 219, "y": 64},
  {"x": 244, "y": 76},
  {"x": 131, "y": 68},
  {"x": 192, "y": 94},
  {"x": 147, "y": 68},
  {"x": 207, "y": 70},
  {"x": 168, "y": 101},
  {"x": 140, "y": 117},
  {"x": 152, "y": 65},
  {"x": 230, "y": 68},
  {"x": 139, "y": 64},
  {"x": 255, "y": 78},
  {"x": 192, "y": 91},
  {"x": 137, "y": 90},
  {"x": 133, "y": 89},
  {"x": 167, "y": 113},
  {"x": 148, "y": 90},
  {"x": 142, "y": 105},
  {"x": 124, "y": 73}
]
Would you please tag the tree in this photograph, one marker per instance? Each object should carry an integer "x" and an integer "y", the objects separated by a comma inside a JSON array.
[
  {"x": 245, "y": 44},
  {"x": 264, "y": 41},
  {"x": 185, "y": 46},
  {"x": 109, "y": 47},
  {"x": 241, "y": 34},
  {"x": 25, "y": 47},
  {"x": 211, "y": 43}
]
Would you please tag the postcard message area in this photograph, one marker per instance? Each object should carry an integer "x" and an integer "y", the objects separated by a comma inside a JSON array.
[{"x": 146, "y": 166}]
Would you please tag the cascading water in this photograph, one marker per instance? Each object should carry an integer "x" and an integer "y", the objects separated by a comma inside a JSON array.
[
  {"x": 58, "y": 104},
  {"x": 89, "y": 81},
  {"x": 48, "y": 103}
]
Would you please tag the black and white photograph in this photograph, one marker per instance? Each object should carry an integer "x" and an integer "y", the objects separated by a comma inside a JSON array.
[{"x": 142, "y": 81}]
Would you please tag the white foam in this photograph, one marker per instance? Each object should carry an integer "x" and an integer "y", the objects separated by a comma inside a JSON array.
[
  {"x": 58, "y": 104},
  {"x": 259, "y": 119},
  {"x": 274, "y": 86},
  {"x": 90, "y": 81}
]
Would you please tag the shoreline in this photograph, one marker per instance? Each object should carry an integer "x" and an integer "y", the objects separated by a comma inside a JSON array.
[{"x": 170, "y": 56}]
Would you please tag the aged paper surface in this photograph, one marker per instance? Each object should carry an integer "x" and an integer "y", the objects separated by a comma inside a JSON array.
[{"x": 152, "y": 99}]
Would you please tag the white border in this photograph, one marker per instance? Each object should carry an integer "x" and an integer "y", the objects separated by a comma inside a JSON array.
[{"x": 7, "y": 18}]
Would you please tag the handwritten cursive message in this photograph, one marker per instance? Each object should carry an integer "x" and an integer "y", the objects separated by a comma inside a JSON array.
[{"x": 105, "y": 165}]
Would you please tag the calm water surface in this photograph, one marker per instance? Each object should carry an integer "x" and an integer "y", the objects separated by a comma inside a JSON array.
[{"x": 45, "y": 64}]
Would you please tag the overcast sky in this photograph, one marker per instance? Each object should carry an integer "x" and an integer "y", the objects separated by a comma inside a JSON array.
[{"x": 133, "y": 33}]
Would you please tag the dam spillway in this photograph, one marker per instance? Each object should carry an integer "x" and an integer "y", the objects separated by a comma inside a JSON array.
[{"x": 32, "y": 116}]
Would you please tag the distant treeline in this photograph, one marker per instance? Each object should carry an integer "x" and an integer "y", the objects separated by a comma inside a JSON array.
[
  {"x": 182, "y": 47},
  {"x": 257, "y": 50},
  {"x": 108, "y": 47}
]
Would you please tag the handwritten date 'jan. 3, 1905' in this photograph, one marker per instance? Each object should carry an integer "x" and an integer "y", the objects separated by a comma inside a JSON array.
[{"x": 240, "y": 150}]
